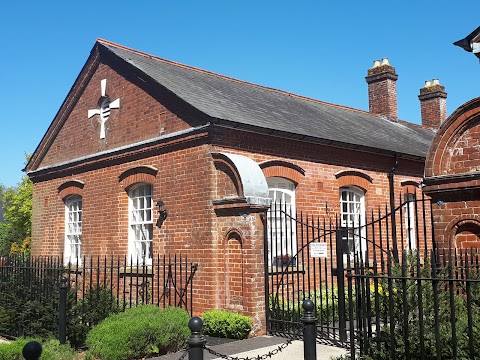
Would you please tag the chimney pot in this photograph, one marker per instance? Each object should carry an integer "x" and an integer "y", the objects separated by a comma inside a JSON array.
[
  {"x": 385, "y": 61},
  {"x": 436, "y": 82},
  {"x": 376, "y": 63},
  {"x": 428, "y": 83}
]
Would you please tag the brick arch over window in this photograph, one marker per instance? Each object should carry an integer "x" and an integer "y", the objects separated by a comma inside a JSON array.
[
  {"x": 283, "y": 169},
  {"x": 139, "y": 174},
  {"x": 72, "y": 187},
  {"x": 353, "y": 178},
  {"x": 409, "y": 186},
  {"x": 456, "y": 228},
  {"x": 445, "y": 145}
]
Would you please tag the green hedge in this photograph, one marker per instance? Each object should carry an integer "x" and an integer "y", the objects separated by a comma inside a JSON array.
[
  {"x": 226, "y": 324},
  {"x": 51, "y": 350},
  {"x": 325, "y": 300},
  {"x": 138, "y": 333}
]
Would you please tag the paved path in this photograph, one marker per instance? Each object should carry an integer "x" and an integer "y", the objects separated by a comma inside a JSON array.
[{"x": 262, "y": 345}]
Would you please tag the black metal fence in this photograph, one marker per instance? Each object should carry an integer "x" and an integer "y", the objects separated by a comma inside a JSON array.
[
  {"x": 29, "y": 287},
  {"x": 306, "y": 258},
  {"x": 427, "y": 306},
  {"x": 294, "y": 273}
]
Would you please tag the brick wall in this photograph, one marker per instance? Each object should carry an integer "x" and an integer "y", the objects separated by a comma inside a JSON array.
[
  {"x": 141, "y": 116},
  {"x": 317, "y": 191}
]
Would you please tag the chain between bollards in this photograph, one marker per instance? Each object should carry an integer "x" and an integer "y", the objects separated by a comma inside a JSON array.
[
  {"x": 309, "y": 331},
  {"x": 196, "y": 342}
]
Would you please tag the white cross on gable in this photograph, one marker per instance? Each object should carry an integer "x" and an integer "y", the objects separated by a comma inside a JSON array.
[{"x": 105, "y": 106}]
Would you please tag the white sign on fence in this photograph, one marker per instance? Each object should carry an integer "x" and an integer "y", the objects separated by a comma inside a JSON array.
[{"x": 318, "y": 250}]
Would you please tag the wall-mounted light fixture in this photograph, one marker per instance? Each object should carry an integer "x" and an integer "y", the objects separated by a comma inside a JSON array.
[{"x": 162, "y": 213}]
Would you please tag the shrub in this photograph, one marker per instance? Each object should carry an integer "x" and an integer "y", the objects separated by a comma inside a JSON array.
[
  {"x": 13, "y": 350},
  {"x": 326, "y": 303},
  {"x": 96, "y": 306},
  {"x": 226, "y": 324},
  {"x": 51, "y": 350},
  {"x": 29, "y": 302},
  {"x": 404, "y": 296},
  {"x": 138, "y": 332}
]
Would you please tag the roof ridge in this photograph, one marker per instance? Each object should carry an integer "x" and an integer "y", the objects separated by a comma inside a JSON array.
[{"x": 229, "y": 78}]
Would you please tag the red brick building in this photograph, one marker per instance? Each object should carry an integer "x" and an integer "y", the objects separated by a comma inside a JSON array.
[{"x": 137, "y": 135}]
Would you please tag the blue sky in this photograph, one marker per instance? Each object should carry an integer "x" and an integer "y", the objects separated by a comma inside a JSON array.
[{"x": 319, "y": 49}]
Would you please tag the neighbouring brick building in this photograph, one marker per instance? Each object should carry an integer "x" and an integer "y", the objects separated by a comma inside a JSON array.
[
  {"x": 137, "y": 135},
  {"x": 452, "y": 171},
  {"x": 452, "y": 178}
]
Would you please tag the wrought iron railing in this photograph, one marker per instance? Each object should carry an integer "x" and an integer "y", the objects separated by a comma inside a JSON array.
[{"x": 29, "y": 286}]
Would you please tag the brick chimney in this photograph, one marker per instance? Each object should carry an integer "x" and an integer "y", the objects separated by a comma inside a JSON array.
[
  {"x": 382, "y": 89},
  {"x": 433, "y": 104}
]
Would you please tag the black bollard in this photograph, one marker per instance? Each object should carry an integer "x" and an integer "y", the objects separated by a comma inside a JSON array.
[
  {"x": 62, "y": 319},
  {"x": 32, "y": 350},
  {"x": 196, "y": 341},
  {"x": 309, "y": 331}
]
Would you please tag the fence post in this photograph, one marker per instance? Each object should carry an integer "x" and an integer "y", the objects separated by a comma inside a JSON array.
[
  {"x": 32, "y": 350},
  {"x": 196, "y": 341},
  {"x": 341, "y": 248},
  {"x": 62, "y": 319},
  {"x": 309, "y": 331}
]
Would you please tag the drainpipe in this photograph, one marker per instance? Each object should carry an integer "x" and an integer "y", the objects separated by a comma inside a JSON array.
[{"x": 392, "y": 208}]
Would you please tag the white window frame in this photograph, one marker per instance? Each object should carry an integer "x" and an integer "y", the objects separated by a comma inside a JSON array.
[
  {"x": 352, "y": 216},
  {"x": 282, "y": 192},
  {"x": 73, "y": 230},
  {"x": 410, "y": 229},
  {"x": 140, "y": 224}
]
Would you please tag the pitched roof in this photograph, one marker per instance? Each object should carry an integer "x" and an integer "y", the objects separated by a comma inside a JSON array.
[{"x": 224, "y": 98}]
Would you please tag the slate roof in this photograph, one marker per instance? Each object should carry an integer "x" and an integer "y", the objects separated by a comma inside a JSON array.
[{"x": 224, "y": 98}]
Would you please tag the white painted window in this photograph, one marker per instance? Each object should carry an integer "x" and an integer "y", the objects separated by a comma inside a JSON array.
[
  {"x": 141, "y": 224},
  {"x": 281, "y": 225},
  {"x": 409, "y": 209},
  {"x": 352, "y": 216},
  {"x": 73, "y": 230}
]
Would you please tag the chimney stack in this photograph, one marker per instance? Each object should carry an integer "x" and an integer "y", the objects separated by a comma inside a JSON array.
[
  {"x": 382, "y": 89},
  {"x": 433, "y": 104}
]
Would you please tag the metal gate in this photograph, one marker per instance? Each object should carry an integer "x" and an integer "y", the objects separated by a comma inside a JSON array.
[{"x": 307, "y": 257}]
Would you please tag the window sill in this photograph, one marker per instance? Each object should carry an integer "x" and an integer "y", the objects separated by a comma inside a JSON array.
[
  {"x": 134, "y": 270},
  {"x": 277, "y": 270},
  {"x": 73, "y": 268}
]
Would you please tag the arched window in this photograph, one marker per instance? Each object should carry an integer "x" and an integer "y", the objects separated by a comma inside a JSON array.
[
  {"x": 73, "y": 229},
  {"x": 352, "y": 216},
  {"x": 140, "y": 224},
  {"x": 282, "y": 231}
]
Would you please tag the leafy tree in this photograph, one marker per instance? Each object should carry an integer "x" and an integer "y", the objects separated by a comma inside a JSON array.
[
  {"x": 17, "y": 206},
  {"x": 8, "y": 236}
]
